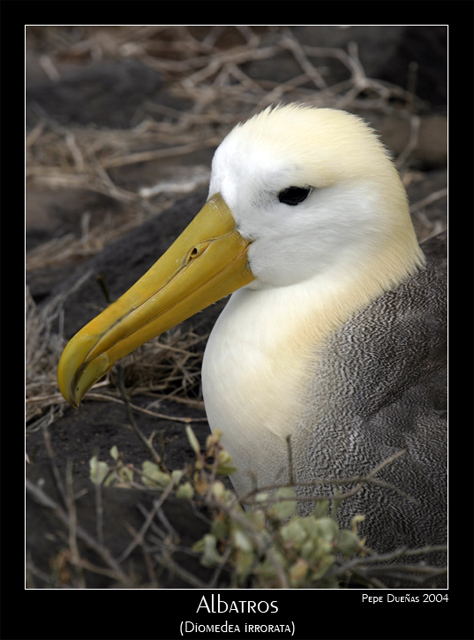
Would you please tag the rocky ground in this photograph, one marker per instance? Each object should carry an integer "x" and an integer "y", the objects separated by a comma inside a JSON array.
[{"x": 122, "y": 123}]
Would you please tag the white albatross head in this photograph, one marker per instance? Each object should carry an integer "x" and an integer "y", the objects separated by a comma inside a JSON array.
[
  {"x": 314, "y": 190},
  {"x": 296, "y": 194}
]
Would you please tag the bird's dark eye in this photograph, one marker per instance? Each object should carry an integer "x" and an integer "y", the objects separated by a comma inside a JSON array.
[{"x": 293, "y": 195}]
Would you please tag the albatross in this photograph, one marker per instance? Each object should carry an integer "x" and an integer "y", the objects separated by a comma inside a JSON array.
[{"x": 334, "y": 338}]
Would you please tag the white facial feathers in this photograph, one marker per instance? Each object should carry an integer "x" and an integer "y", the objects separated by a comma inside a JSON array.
[{"x": 355, "y": 207}]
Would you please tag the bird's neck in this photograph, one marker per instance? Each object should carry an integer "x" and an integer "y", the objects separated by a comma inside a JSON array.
[{"x": 263, "y": 353}]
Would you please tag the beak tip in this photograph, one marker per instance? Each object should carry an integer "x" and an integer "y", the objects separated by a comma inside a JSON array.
[
  {"x": 75, "y": 404},
  {"x": 71, "y": 396},
  {"x": 70, "y": 399},
  {"x": 75, "y": 374}
]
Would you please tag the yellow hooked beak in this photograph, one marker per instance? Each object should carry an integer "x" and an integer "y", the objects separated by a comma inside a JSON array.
[{"x": 207, "y": 262}]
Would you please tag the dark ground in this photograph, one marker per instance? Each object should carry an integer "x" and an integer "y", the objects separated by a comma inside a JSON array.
[{"x": 111, "y": 92}]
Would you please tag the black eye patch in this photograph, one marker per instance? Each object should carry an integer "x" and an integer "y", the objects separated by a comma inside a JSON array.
[{"x": 293, "y": 195}]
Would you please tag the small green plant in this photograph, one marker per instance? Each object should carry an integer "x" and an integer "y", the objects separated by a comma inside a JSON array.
[
  {"x": 197, "y": 479},
  {"x": 118, "y": 474}
]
